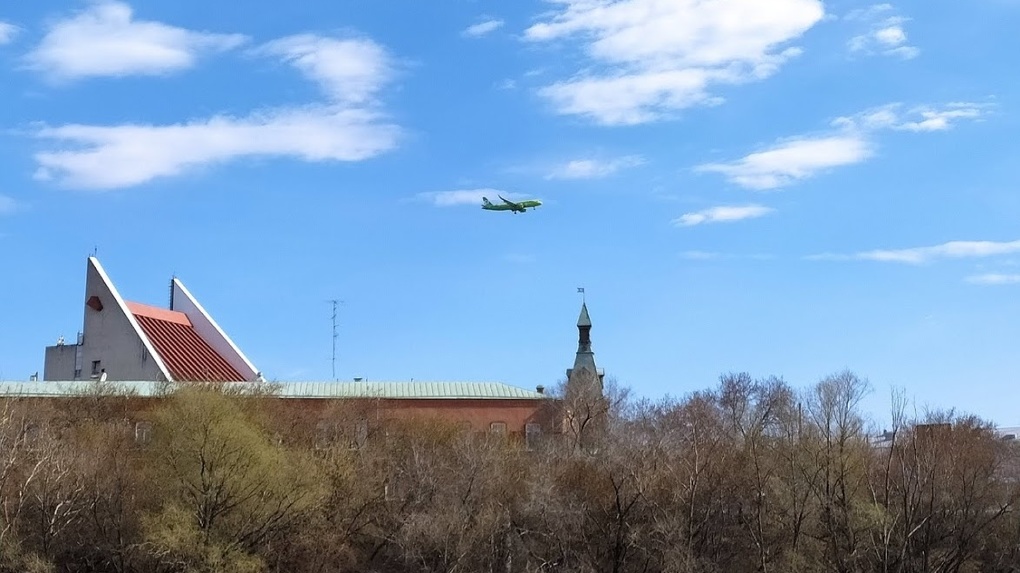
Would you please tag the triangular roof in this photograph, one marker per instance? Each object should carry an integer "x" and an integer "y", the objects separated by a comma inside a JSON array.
[{"x": 186, "y": 344}]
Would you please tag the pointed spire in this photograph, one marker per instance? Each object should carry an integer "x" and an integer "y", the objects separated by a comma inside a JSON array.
[{"x": 584, "y": 319}]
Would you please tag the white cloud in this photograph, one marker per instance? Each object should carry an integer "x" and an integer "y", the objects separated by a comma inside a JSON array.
[
  {"x": 105, "y": 40},
  {"x": 654, "y": 57},
  {"x": 349, "y": 70},
  {"x": 921, "y": 118},
  {"x": 885, "y": 35},
  {"x": 851, "y": 141},
  {"x": 593, "y": 168},
  {"x": 7, "y": 32},
  {"x": 869, "y": 13},
  {"x": 100, "y": 157},
  {"x": 346, "y": 128},
  {"x": 941, "y": 119},
  {"x": 465, "y": 196},
  {"x": 722, "y": 214},
  {"x": 483, "y": 28},
  {"x": 7, "y": 205},
  {"x": 792, "y": 160},
  {"x": 994, "y": 279},
  {"x": 922, "y": 255}
]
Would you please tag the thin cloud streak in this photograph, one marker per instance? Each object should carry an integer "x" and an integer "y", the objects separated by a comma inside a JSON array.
[
  {"x": 461, "y": 197},
  {"x": 994, "y": 279},
  {"x": 722, "y": 214},
  {"x": 792, "y": 161},
  {"x": 924, "y": 255},
  {"x": 850, "y": 141},
  {"x": 121, "y": 156},
  {"x": 593, "y": 168},
  {"x": 483, "y": 28}
]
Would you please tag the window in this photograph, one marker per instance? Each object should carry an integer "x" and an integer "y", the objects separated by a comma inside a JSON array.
[
  {"x": 532, "y": 435},
  {"x": 497, "y": 428},
  {"x": 143, "y": 432},
  {"x": 360, "y": 434},
  {"x": 95, "y": 367},
  {"x": 30, "y": 435},
  {"x": 322, "y": 435}
]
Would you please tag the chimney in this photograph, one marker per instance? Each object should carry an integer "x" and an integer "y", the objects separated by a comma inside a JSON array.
[{"x": 540, "y": 389}]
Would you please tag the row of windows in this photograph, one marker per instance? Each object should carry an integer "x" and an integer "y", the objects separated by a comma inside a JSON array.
[{"x": 323, "y": 436}]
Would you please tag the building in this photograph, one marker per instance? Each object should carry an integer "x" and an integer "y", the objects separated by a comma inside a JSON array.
[
  {"x": 585, "y": 409},
  {"x": 144, "y": 350},
  {"x": 585, "y": 376},
  {"x": 129, "y": 341}
]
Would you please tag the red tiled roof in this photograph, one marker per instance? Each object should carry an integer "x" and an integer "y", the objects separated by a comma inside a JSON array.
[
  {"x": 185, "y": 353},
  {"x": 139, "y": 309}
]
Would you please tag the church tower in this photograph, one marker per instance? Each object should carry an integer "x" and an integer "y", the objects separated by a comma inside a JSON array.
[
  {"x": 585, "y": 406},
  {"x": 584, "y": 371}
]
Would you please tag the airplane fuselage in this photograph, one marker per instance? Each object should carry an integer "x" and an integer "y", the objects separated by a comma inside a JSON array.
[{"x": 512, "y": 206}]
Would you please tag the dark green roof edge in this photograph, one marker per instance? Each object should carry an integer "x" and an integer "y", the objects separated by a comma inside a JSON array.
[{"x": 425, "y": 390}]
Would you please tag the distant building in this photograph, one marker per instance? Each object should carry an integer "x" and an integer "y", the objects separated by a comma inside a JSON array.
[{"x": 130, "y": 341}]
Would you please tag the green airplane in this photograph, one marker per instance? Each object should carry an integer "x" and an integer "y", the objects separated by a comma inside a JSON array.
[{"x": 510, "y": 205}]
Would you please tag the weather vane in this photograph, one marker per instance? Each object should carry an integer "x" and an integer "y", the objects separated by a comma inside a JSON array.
[{"x": 581, "y": 290}]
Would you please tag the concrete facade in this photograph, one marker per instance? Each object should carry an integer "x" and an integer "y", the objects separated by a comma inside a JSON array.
[
  {"x": 112, "y": 341},
  {"x": 127, "y": 341}
]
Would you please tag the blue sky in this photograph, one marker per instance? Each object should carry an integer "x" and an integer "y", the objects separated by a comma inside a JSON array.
[{"x": 789, "y": 188}]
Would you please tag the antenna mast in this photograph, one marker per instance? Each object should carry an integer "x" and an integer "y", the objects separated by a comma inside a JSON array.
[{"x": 335, "y": 303}]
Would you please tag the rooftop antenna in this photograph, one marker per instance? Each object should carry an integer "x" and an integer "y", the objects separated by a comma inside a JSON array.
[
  {"x": 95, "y": 251},
  {"x": 335, "y": 303},
  {"x": 172, "y": 277}
]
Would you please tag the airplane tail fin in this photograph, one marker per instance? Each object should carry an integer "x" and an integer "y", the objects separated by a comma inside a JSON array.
[{"x": 485, "y": 201}]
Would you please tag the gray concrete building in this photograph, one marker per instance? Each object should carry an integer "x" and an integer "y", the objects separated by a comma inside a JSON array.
[{"x": 122, "y": 340}]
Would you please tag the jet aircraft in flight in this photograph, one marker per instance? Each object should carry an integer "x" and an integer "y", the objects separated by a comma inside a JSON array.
[{"x": 511, "y": 206}]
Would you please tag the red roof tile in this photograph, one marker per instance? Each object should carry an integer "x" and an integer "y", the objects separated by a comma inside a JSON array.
[
  {"x": 186, "y": 354},
  {"x": 139, "y": 309}
]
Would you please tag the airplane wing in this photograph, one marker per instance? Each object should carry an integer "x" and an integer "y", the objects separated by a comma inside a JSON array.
[{"x": 509, "y": 202}]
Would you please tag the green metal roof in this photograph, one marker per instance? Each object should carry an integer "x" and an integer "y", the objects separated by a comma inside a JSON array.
[
  {"x": 344, "y": 389},
  {"x": 584, "y": 319},
  {"x": 420, "y": 390}
]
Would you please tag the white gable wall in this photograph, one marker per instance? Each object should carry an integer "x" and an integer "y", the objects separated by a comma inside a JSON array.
[
  {"x": 112, "y": 335},
  {"x": 182, "y": 301}
]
